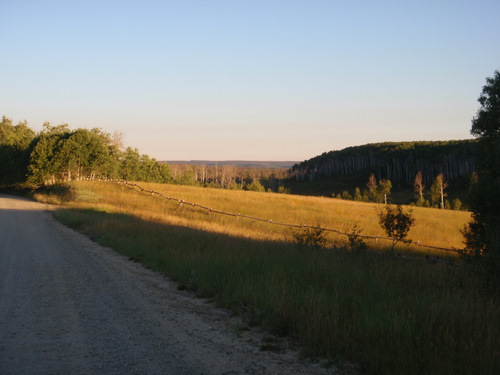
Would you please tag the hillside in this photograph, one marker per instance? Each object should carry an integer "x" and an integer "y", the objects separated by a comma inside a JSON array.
[{"x": 397, "y": 161}]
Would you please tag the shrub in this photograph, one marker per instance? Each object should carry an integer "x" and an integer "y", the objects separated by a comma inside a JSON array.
[
  {"x": 307, "y": 236},
  {"x": 356, "y": 243},
  {"x": 396, "y": 223},
  {"x": 457, "y": 204}
]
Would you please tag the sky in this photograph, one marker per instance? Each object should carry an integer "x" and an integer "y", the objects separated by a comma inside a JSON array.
[{"x": 249, "y": 80}]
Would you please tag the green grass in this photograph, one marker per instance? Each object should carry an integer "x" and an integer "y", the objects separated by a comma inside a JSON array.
[{"x": 388, "y": 315}]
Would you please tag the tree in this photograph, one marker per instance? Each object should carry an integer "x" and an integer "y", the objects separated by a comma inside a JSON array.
[
  {"x": 255, "y": 186},
  {"x": 357, "y": 195},
  {"x": 46, "y": 160},
  {"x": 346, "y": 195},
  {"x": 14, "y": 150},
  {"x": 85, "y": 154},
  {"x": 482, "y": 234},
  {"x": 438, "y": 190},
  {"x": 419, "y": 188},
  {"x": 372, "y": 187},
  {"x": 383, "y": 190},
  {"x": 396, "y": 223},
  {"x": 131, "y": 165}
]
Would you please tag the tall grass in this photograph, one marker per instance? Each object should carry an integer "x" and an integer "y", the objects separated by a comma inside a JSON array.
[
  {"x": 389, "y": 315},
  {"x": 433, "y": 227}
]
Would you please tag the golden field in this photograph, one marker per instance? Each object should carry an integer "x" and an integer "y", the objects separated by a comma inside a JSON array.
[{"x": 440, "y": 228}]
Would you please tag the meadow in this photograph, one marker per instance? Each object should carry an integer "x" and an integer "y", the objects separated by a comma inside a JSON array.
[{"x": 388, "y": 315}]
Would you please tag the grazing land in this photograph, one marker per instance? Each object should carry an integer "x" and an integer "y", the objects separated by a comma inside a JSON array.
[{"x": 388, "y": 315}]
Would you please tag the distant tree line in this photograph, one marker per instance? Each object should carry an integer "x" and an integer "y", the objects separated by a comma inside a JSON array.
[
  {"x": 58, "y": 154},
  {"x": 398, "y": 162},
  {"x": 231, "y": 176}
]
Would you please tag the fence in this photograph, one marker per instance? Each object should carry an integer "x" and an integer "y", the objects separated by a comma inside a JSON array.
[{"x": 271, "y": 222}]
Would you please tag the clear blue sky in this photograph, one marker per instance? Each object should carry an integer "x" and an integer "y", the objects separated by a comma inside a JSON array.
[{"x": 254, "y": 80}]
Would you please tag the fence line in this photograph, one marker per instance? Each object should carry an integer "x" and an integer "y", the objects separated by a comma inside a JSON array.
[{"x": 269, "y": 221}]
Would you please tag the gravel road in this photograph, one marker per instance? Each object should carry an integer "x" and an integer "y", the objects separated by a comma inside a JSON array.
[{"x": 70, "y": 306}]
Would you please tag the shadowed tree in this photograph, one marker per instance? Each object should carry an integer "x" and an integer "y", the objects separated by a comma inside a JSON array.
[
  {"x": 482, "y": 234},
  {"x": 14, "y": 150}
]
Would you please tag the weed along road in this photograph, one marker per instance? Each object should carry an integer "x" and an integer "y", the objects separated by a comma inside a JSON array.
[{"x": 70, "y": 306}]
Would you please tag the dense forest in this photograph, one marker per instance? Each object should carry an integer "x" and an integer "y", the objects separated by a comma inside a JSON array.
[{"x": 396, "y": 161}]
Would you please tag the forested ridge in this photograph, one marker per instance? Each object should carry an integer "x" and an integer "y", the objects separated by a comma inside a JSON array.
[{"x": 395, "y": 161}]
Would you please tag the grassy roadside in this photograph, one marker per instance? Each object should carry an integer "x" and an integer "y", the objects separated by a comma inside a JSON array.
[{"x": 391, "y": 316}]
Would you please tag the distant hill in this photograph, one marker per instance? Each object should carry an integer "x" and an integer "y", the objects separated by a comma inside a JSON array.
[
  {"x": 396, "y": 161},
  {"x": 237, "y": 163}
]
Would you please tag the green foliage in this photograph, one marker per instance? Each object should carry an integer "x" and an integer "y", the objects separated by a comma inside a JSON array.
[
  {"x": 437, "y": 190},
  {"x": 254, "y": 186},
  {"x": 396, "y": 223},
  {"x": 187, "y": 177},
  {"x": 346, "y": 195},
  {"x": 59, "y": 154},
  {"x": 383, "y": 190},
  {"x": 355, "y": 242},
  {"x": 46, "y": 158},
  {"x": 306, "y": 236},
  {"x": 283, "y": 190},
  {"x": 378, "y": 192},
  {"x": 456, "y": 204},
  {"x": 482, "y": 235},
  {"x": 422, "y": 202},
  {"x": 357, "y": 195},
  {"x": 14, "y": 151}
]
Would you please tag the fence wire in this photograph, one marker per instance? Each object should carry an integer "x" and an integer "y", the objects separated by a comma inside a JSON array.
[{"x": 269, "y": 221}]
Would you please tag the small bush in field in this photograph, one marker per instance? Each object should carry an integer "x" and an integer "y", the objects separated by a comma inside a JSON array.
[
  {"x": 396, "y": 223},
  {"x": 306, "y": 236},
  {"x": 356, "y": 243}
]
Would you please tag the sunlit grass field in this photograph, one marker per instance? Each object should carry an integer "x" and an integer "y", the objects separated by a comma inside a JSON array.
[
  {"x": 388, "y": 315},
  {"x": 433, "y": 227}
]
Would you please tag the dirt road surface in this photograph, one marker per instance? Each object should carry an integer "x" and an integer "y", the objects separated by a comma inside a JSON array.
[{"x": 70, "y": 306}]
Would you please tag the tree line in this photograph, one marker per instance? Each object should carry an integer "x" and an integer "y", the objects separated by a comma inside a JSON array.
[
  {"x": 380, "y": 191},
  {"x": 395, "y": 161},
  {"x": 232, "y": 177},
  {"x": 58, "y": 154}
]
